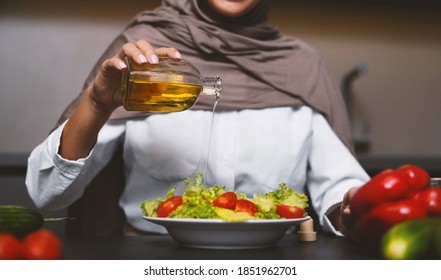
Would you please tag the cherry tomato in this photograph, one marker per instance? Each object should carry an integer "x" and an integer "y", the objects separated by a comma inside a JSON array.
[
  {"x": 290, "y": 212},
  {"x": 42, "y": 245},
  {"x": 430, "y": 199},
  {"x": 388, "y": 185},
  {"x": 165, "y": 208},
  {"x": 226, "y": 200},
  {"x": 417, "y": 178},
  {"x": 376, "y": 222},
  {"x": 10, "y": 247},
  {"x": 247, "y": 206}
]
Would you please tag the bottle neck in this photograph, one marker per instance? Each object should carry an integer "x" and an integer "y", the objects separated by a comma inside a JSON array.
[{"x": 212, "y": 86}]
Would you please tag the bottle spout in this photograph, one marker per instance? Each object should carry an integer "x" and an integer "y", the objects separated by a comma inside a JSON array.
[{"x": 212, "y": 86}]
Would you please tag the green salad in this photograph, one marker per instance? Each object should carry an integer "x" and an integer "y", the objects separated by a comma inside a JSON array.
[{"x": 216, "y": 202}]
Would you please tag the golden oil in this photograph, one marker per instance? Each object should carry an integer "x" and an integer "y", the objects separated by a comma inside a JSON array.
[
  {"x": 152, "y": 96},
  {"x": 170, "y": 86}
]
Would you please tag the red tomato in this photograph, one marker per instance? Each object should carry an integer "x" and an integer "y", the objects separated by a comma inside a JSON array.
[
  {"x": 417, "y": 178},
  {"x": 10, "y": 247},
  {"x": 430, "y": 199},
  {"x": 42, "y": 245},
  {"x": 290, "y": 212},
  {"x": 245, "y": 205},
  {"x": 165, "y": 208},
  {"x": 375, "y": 223},
  {"x": 226, "y": 200},
  {"x": 388, "y": 185}
]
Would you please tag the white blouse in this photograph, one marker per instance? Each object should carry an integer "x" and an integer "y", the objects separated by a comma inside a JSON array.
[{"x": 251, "y": 151}]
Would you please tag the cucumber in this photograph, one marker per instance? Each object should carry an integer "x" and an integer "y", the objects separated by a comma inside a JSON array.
[
  {"x": 20, "y": 221},
  {"x": 413, "y": 239}
]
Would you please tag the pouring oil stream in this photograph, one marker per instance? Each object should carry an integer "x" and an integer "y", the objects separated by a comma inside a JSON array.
[{"x": 209, "y": 140}]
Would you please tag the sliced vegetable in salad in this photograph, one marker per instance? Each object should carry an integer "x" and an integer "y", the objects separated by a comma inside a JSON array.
[{"x": 216, "y": 202}]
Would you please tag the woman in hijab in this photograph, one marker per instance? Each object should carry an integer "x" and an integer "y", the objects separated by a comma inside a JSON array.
[{"x": 280, "y": 118}]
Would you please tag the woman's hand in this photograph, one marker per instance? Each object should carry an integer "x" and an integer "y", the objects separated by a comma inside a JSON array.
[
  {"x": 341, "y": 217},
  {"x": 347, "y": 219},
  {"x": 106, "y": 90},
  {"x": 99, "y": 101}
]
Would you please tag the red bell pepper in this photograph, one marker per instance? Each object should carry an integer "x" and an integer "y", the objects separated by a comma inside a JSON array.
[
  {"x": 430, "y": 199},
  {"x": 417, "y": 178},
  {"x": 388, "y": 185},
  {"x": 391, "y": 197},
  {"x": 375, "y": 223}
]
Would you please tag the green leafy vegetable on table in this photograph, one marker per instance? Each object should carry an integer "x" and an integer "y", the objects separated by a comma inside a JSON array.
[{"x": 216, "y": 202}]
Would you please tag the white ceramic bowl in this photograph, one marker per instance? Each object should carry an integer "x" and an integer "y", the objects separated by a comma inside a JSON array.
[{"x": 219, "y": 234}]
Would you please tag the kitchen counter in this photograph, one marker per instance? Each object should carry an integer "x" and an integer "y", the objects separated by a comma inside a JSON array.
[
  {"x": 164, "y": 248},
  {"x": 373, "y": 164}
]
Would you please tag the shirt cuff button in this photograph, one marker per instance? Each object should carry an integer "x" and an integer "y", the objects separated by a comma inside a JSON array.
[{"x": 75, "y": 169}]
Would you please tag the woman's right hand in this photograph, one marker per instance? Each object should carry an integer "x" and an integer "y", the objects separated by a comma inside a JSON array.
[
  {"x": 103, "y": 97},
  {"x": 106, "y": 88}
]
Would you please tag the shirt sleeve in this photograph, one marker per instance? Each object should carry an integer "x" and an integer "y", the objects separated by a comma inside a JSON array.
[
  {"x": 333, "y": 170},
  {"x": 54, "y": 182}
]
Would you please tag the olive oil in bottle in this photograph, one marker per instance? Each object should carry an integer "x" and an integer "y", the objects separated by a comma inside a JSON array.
[{"x": 170, "y": 86}]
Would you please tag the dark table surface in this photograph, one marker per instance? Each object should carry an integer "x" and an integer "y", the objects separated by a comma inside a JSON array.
[{"x": 164, "y": 247}]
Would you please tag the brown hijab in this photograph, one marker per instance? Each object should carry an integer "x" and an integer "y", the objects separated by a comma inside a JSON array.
[{"x": 259, "y": 67}]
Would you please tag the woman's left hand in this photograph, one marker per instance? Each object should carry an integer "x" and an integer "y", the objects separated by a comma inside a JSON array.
[{"x": 342, "y": 218}]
